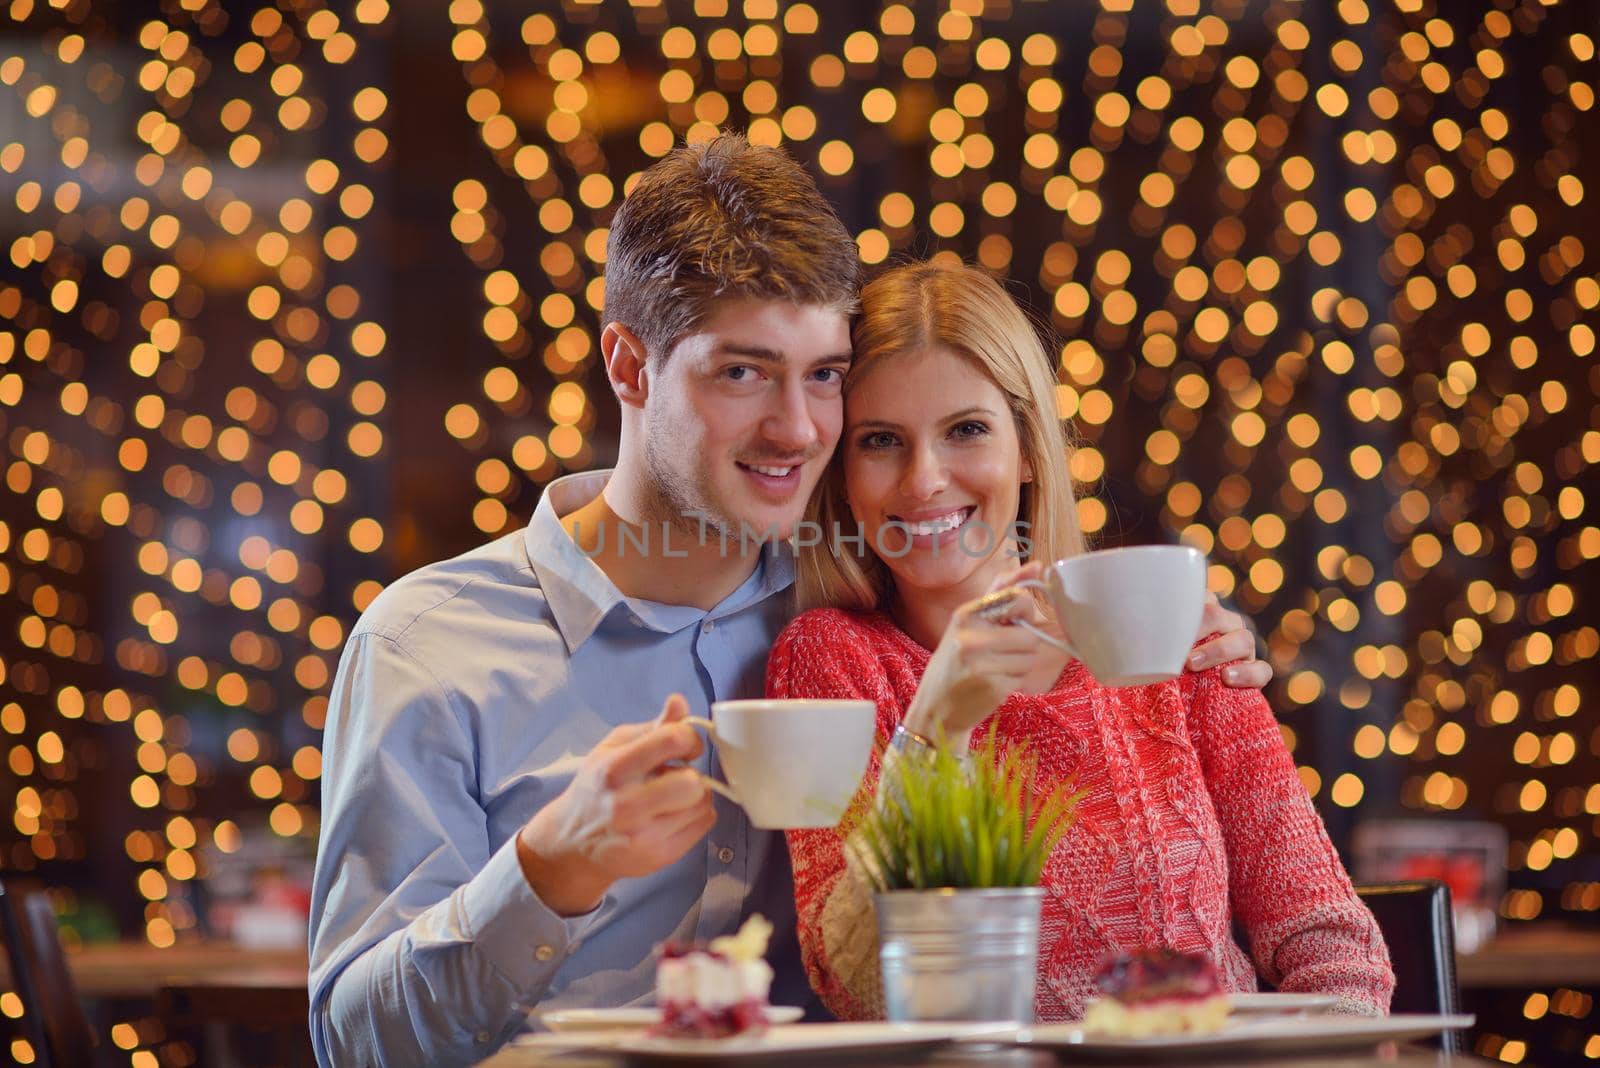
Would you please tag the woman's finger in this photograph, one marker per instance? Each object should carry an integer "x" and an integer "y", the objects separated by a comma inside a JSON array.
[
  {"x": 1215, "y": 619},
  {"x": 1014, "y": 642},
  {"x": 993, "y": 636},
  {"x": 1021, "y": 574},
  {"x": 1233, "y": 645},
  {"x": 1249, "y": 675},
  {"x": 992, "y": 607}
]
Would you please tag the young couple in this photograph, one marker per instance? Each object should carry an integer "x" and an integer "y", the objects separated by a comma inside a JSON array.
[{"x": 503, "y": 830}]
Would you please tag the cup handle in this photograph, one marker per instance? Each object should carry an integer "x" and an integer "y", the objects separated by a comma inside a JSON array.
[
  {"x": 1050, "y": 639},
  {"x": 720, "y": 788}
]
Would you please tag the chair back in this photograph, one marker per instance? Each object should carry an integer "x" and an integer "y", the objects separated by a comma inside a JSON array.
[
  {"x": 58, "y": 1028},
  {"x": 1415, "y": 920}
]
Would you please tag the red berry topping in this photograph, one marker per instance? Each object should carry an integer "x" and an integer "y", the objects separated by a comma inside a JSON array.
[{"x": 1156, "y": 975}]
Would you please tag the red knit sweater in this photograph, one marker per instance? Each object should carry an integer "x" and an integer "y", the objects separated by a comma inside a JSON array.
[{"x": 1194, "y": 817}]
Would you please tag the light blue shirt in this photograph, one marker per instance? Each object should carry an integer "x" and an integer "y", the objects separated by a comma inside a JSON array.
[{"x": 466, "y": 696}]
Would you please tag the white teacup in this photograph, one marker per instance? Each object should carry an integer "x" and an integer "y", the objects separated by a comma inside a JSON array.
[
  {"x": 791, "y": 763},
  {"x": 1132, "y": 615}
]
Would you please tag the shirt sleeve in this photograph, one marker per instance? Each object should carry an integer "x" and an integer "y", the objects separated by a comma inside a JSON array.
[
  {"x": 1309, "y": 932},
  {"x": 427, "y": 945},
  {"x": 837, "y": 924}
]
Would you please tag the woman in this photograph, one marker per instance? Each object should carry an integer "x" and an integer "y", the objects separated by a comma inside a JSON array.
[{"x": 1194, "y": 816}]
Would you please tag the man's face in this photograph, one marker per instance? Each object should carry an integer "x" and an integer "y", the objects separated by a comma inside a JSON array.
[{"x": 743, "y": 415}]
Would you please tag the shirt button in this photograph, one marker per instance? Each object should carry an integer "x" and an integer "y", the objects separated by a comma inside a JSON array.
[
  {"x": 708, "y": 626},
  {"x": 482, "y": 1037},
  {"x": 544, "y": 953},
  {"x": 725, "y": 854}
]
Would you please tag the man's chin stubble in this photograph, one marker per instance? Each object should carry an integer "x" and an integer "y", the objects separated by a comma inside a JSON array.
[{"x": 672, "y": 502}]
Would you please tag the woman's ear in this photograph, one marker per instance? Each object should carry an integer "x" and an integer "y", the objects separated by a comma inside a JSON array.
[
  {"x": 1027, "y": 471},
  {"x": 627, "y": 367}
]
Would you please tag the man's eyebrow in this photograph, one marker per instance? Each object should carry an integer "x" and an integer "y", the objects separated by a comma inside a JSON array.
[
  {"x": 834, "y": 357},
  {"x": 763, "y": 354},
  {"x": 750, "y": 352}
]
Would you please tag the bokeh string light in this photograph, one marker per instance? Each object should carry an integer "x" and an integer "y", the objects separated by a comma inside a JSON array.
[
  {"x": 1325, "y": 304},
  {"x": 189, "y": 383}
]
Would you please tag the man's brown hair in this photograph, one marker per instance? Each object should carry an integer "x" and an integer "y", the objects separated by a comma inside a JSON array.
[{"x": 719, "y": 220}]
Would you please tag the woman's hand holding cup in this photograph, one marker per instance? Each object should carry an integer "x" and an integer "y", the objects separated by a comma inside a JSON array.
[{"x": 981, "y": 660}]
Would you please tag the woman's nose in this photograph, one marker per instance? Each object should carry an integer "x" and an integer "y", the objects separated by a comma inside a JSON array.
[{"x": 926, "y": 476}]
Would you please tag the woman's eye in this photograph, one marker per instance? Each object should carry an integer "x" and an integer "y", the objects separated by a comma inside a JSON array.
[
  {"x": 880, "y": 439},
  {"x": 969, "y": 429}
]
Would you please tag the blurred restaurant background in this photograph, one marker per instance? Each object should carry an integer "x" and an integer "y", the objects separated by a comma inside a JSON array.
[{"x": 296, "y": 298}]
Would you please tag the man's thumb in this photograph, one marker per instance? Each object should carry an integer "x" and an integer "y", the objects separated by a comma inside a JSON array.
[{"x": 676, "y": 708}]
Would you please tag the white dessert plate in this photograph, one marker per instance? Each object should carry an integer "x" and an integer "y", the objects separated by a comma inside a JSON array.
[
  {"x": 1272, "y": 1002},
  {"x": 1250, "y": 1035},
  {"x": 778, "y": 1044},
  {"x": 636, "y": 1018}
]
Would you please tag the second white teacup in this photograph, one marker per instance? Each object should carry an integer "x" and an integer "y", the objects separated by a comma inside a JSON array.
[
  {"x": 1131, "y": 615},
  {"x": 791, "y": 763}
]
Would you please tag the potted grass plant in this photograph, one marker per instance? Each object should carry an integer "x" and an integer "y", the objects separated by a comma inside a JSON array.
[{"x": 953, "y": 850}]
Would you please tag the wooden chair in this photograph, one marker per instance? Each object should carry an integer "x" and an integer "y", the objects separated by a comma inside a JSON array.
[{"x": 53, "y": 1017}]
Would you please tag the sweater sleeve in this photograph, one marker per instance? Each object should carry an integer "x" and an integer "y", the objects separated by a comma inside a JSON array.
[
  {"x": 819, "y": 656},
  {"x": 1309, "y": 932}
]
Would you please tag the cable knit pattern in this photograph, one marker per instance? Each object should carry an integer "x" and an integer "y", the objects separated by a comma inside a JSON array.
[{"x": 1194, "y": 816}]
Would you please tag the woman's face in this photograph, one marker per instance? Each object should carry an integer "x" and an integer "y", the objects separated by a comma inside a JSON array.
[{"x": 933, "y": 470}]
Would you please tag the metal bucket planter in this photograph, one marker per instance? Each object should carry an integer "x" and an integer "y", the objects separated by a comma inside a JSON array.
[{"x": 959, "y": 954}]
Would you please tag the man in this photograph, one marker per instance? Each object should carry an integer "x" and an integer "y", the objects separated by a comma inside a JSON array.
[{"x": 498, "y": 833}]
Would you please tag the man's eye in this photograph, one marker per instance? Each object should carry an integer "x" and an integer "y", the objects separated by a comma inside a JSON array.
[
  {"x": 739, "y": 373},
  {"x": 831, "y": 375}
]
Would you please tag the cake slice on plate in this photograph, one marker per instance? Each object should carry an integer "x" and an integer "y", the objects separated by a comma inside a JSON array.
[
  {"x": 717, "y": 990},
  {"x": 1157, "y": 992}
]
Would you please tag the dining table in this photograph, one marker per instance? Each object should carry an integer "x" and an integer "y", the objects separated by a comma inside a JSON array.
[
  {"x": 1533, "y": 955},
  {"x": 266, "y": 987},
  {"x": 212, "y": 989},
  {"x": 972, "y": 1056},
  {"x": 138, "y": 969}
]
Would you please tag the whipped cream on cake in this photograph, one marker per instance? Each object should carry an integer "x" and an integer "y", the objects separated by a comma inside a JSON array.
[
  {"x": 716, "y": 990},
  {"x": 1157, "y": 992}
]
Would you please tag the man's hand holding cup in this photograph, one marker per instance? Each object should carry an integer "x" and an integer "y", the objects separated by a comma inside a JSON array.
[{"x": 631, "y": 809}]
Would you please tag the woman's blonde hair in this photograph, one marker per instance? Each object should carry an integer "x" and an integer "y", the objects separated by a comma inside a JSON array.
[{"x": 915, "y": 309}]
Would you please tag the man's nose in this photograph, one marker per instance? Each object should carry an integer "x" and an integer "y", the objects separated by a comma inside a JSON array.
[{"x": 792, "y": 425}]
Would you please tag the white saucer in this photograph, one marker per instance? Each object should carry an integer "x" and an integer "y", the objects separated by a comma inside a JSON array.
[
  {"x": 636, "y": 1018},
  {"x": 1254, "y": 1036},
  {"x": 777, "y": 1046},
  {"x": 1272, "y": 1002}
]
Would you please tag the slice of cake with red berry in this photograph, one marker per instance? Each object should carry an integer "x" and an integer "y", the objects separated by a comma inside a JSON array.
[
  {"x": 1153, "y": 992},
  {"x": 717, "y": 990}
]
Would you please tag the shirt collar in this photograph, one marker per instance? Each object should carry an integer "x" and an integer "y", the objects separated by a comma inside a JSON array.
[{"x": 581, "y": 595}]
